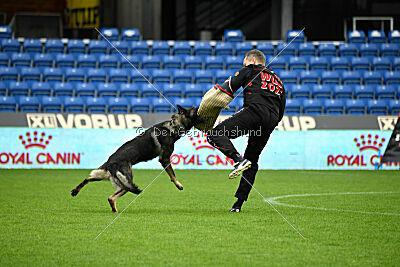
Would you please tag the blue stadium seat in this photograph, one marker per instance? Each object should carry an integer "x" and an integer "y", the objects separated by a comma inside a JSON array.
[
  {"x": 54, "y": 46},
  {"x": 326, "y": 49},
  {"x": 233, "y": 36},
  {"x": 63, "y": 89},
  {"x": 233, "y": 62},
  {"x": 118, "y": 105},
  {"x": 386, "y": 91},
  {"x": 288, "y": 77},
  {"x": 85, "y": 89},
  {"x": 306, "y": 49},
  {"x": 21, "y": 59},
  {"x": 140, "y": 105},
  {"x": 28, "y": 104},
  {"x": 149, "y": 62},
  {"x": 302, "y": 91},
  {"x": 76, "y": 46},
  {"x": 352, "y": 77},
  {"x": 5, "y": 31},
  {"x": 74, "y": 74},
  {"x": 392, "y": 77},
  {"x": 297, "y": 63},
  {"x": 106, "y": 90},
  {"x": 192, "y": 62},
  {"x": 297, "y": 36},
  {"x": 213, "y": 62},
  {"x": 288, "y": 89},
  {"x": 318, "y": 63},
  {"x": 202, "y": 48},
  {"x": 130, "y": 34},
  {"x": 279, "y": 63},
  {"x": 3, "y": 88},
  {"x": 148, "y": 90},
  {"x": 236, "y": 104},
  {"x": 390, "y": 50},
  {"x": 330, "y": 77},
  {"x": 18, "y": 88},
  {"x": 313, "y": 106},
  {"x": 65, "y": 60},
  {"x": 321, "y": 91},
  {"x": 377, "y": 107},
  {"x": 311, "y": 76},
  {"x": 98, "y": 47},
  {"x": 41, "y": 88},
  {"x": 96, "y": 105},
  {"x": 223, "y": 48},
  {"x": 182, "y": 48},
  {"x": 373, "y": 77},
  {"x": 286, "y": 49},
  {"x": 186, "y": 102},
  {"x": 334, "y": 106},
  {"x": 43, "y": 60},
  {"x": 88, "y": 61},
  {"x": 172, "y": 89},
  {"x": 381, "y": 63},
  {"x": 32, "y": 46},
  {"x": 203, "y": 76},
  {"x": 139, "y": 75},
  {"x": 128, "y": 90},
  {"x": 356, "y": 37},
  {"x": 293, "y": 106},
  {"x": 194, "y": 90},
  {"x": 118, "y": 75},
  {"x": 109, "y": 33},
  {"x": 183, "y": 76},
  {"x": 52, "y": 104},
  {"x": 360, "y": 63},
  {"x": 396, "y": 64},
  {"x": 394, "y": 36},
  {"x": 10, "y": 45},
  {"x": 8, "y": 104},
  {"x": 30, "y": 74},
  {"x": 74, "y": 105},
  {"x": 140, "y": 48},
  {"x": 159, "y": 75},
  {"x": 128, "y": 60},
  {"x": 394, "y": 106},
  {"x": 348, "y": 50},
  {"x": 161, "y": 105},
  {"x": 4, "y": 59},
  {"x": 356, "y": 106},
  {"x": 375, "y": 36},
  {"x": 8, "y": 74},
  {"x": 222, "y": 75},
  {"x": 340, "y": 63},
  {"x": 117, "y": 47},
  {"x": 96, "y": 75},
  {"x": 243, "y": 47},
  {"x": 343, "y": 91},
  {"x": 160, "y": 48},
  {"x": 364, "y": 91},
  {"x": 369, "y": 50},
  {"x": 172, "y": 62},
  {"x": 52, "y": 74},
  {"x": 108, "y": 61},
  {"x": 266, "y": 47}
]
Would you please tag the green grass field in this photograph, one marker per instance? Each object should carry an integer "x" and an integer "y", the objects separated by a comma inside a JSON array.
[{"x": 41, "y": 224}]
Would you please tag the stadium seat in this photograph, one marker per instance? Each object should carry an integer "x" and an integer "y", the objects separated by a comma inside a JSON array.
[
  {"x": 296, "y": 36},
  {"x": 32, "y": 46},
  {"x": 301, "y": 91},
  {"x": 213, "y": 62},
  {"x": 159, "y": 75},
  {"x": 28, "y": 104},
  {"x": 96, "y": 105},
  {"x": 343, "y": 91},
  {"x": 223, "y": 48},
  {"x": 52, "y": 104},
  {"x": 392, "y": 77},
  {"x": 172, "y": 62},
  {"x": 311, "y": 76},
  {"x": 63, "y": 89},
  {"x": 306, "y": 49},
  {"x": 203, "y": 76},
  {"x": 5, "y": 31},
  {"x": 139, "y": 48},
  {"x": 194, "y": 90},
  {"x": 182, "y": 76},
  {"x": 396, "y": 64},
  {"x": 182, "y": 48},
  {"x": 10, "y": 45},
  {"x": 293, "y": 107},
  {"x": 286, "y": 49},
  {"x": 109, "y": 33},
  {"x": 148, "y": 90},
  {"x": 297, "y": 63},
  {"x": 234, "y": 62},
  {"x": 334, "y": 106},
  {"x": 202, "y": 48},
  {"x": 326, "y": 49},
  {"x": 52, "y": 74},
  {"x": 98, "y": 47},
  {"x": 330, "y": 77},
  {"x": 74, "y": 105},
  {"x": 3, "y": 89},
  {"x": 386, "y": 91},
  {"x": 279, "y": 63},
  {"x": 160, "y": 48},
  {"x": 389, "y": 50},
  {"x": 161, "y": 105},
  {"x": 8, "y": 74},
  {"x": 364, "y": 91},
  {"x": 266, "y": 47},
  {"x": 86, "y": 61},
  {"x": 54, "y": 46},
  {"x": 222, "y": 75},
  {"x": 21, "y": 60},
  {"x": 128, "y": 90},
  {"x": 130, "y": 34},
  {"x": 377, "y": 107},
  {"x": 85, "y": 89},
  {"x": 41, "y": 89},
  {"x": 356, "y": 37},
  {"x": 375, "y": 36},
  {"x": 139, "y": 75},
  {"x": 65, "y": 60},
  {"x": 131, "y": 61},
  {"x": 192, "y": 62},
  {"x": 360, "y": 63},
  {"x": 352, "y": 77},
  {"x": 355, "y": 106},
  {"x": 118, "y": 75},
  {"x": 236, "y": 104},
  {"x": 313, "y": 106},
  {"x": 318, "y": 63},
  {"x": 108, "y": 61},
  {"x": 76, "y": 46},
  {"x": 117, "y": 47},
  {"x": 381, "y": 63},
  {"x": 43, "y": 60},
  {"x": 4, "y": 59},
  {"x": 184, "y": 102},
  {"x": 233, "y": 36},
  {"x": 340, "y": 63},
  {"x": 140, "y": 105},
  {"x": 288, "y": 77},
  {"x": 243, "y": 47},
  {"x": 321, "y": 91},
  {"x": 18, "y": 89},
  {"x": 172, "y": 89},
  {"x": 106, "y": 90},
  {"x": 394, "y": 106},
  {"x": 30, "y": 74},
  {"x": 348, "y": 50},
  {"x": 372, "y": 77},
  {"x": 8, "y": 104},
  {"x": 394, "y": 36},
  {"x": 96, "y": 75},
  {"x": 369, "y": 50},
  {"x": 149, "y": 62},
  {"x": 74, "y": 74}
]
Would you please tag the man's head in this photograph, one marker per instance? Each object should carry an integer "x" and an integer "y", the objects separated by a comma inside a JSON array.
[{"x": 255, "y": 57}]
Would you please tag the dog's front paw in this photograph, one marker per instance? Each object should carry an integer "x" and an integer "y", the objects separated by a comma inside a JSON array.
[
  {"x": 74, "y": 192},
  {"x": 180, "y": 187}
]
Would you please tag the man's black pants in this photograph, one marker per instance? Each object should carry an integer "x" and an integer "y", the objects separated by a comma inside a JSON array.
[{"x": 258, "y": 122}]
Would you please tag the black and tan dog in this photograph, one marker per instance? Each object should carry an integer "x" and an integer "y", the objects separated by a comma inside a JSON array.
[{"x": 157, "y": 141}]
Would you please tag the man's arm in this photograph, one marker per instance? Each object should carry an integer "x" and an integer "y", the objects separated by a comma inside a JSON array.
[{"x": 233, "y": 83}]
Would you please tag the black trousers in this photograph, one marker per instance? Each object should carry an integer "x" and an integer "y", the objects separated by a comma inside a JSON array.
[{"x": 258, "y": 122}]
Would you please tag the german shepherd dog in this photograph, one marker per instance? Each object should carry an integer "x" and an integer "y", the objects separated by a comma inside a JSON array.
[{"x": 157, "y": 141}]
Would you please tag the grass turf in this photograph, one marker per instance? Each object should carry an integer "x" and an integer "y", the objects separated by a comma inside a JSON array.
[{"x": 41, "y": 224}]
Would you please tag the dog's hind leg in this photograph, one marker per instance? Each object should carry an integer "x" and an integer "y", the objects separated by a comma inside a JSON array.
[
  {"x": 114, "y": 197},
  {"x": 96, "y": 175}
]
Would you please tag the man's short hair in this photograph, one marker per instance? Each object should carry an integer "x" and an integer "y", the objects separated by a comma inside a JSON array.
[{"x": 257, "y": 54}]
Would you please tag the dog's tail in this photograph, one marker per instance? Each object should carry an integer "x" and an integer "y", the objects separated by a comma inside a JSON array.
[{"x": 118, "y": 179}]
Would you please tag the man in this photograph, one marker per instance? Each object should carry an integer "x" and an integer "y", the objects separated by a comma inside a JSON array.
[{"x": 264, "y": 105}]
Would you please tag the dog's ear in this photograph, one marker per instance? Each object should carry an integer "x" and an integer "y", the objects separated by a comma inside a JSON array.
[{"x": 181, "y": 110}]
